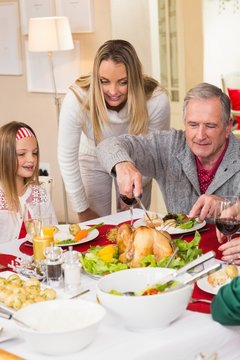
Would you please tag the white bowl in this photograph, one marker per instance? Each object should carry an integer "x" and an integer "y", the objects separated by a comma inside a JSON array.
[
  {"x": 62, "y": 326},
  {"x": 142, "y": 312}
]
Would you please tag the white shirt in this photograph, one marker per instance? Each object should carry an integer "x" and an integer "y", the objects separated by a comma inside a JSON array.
[
  {"x": 76, "y": 135},
  {"x": 11, "y": 222}
]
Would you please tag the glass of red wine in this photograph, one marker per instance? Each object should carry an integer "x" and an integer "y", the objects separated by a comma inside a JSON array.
[{"x": 227, "y": 216}]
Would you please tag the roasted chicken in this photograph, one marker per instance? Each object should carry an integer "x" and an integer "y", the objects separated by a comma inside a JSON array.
[{"x": 136, "y": 244}]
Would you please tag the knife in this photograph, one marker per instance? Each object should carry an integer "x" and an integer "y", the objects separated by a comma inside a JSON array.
[{"x": 144, "y": 209}]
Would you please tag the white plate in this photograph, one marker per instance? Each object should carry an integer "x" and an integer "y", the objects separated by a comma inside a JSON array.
[
  {"x": 204, "y": 285},
  {"x": 65, "y": 229},
  {"x": 64, "y": 234},
  {"x": 172, "y": 230},
  {"x": 60, "y": 292}
]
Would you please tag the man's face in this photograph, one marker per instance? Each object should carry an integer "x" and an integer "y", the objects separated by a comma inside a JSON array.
[{"x": 205, "y": 131}]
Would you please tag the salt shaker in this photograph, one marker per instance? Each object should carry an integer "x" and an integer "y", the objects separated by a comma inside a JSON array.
[
  {"x": 53, "y": 263},
  {"x": 72, "y": 271}
]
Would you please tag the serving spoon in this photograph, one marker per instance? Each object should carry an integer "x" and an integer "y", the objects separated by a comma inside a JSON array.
[{"x": 6, "y": 314}]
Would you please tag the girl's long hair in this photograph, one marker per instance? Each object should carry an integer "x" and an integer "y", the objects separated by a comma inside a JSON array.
[
  {"x": 8, "y": 163},
  {"x": 140, "y": 88}
]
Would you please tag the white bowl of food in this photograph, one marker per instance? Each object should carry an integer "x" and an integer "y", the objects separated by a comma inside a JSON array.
[
  {"x": 61, "y": 326},
  {"x": 140, "y": 312}
]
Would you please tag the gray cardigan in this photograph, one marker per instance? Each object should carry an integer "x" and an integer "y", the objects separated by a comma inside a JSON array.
[{"x": 165, "y": 156}]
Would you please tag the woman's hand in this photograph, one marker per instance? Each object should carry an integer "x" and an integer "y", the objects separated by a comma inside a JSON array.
[
  {"x": 204, "y": 207},
  {"x": 231, "y": 251},
  {"x": 87, "y": 215}
]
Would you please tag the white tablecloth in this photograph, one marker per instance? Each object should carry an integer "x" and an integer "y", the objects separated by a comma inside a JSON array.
[{"x": 184, "y": 339}]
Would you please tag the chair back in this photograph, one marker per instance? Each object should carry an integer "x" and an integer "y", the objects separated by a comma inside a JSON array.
[
  {"x": 48, "y": 181},
  {"x": 230, "y": 80}
]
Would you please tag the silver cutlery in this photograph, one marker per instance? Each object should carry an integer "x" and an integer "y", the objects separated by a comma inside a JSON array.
[
  {"x": 79, "y": 294},
  {"x": 172, "y": 257},
  {"x": 139, "y": 201},
  {"x": 6, "y": 314}
]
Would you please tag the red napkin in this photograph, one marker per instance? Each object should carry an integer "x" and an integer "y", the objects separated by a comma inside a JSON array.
[
  {"x": 6, "y": 259},
  {"x": 200, "y": 306}
]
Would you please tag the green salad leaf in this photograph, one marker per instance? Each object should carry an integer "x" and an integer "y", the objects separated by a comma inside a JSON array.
[
  {"x": 95, "y": 265},
  {"x": 188, "y": 251}
]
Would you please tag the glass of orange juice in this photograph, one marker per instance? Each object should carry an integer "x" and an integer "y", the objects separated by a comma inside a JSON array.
[{"x": 43, "y": 239}]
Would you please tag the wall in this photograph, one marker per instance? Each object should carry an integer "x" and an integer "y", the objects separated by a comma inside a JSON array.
[
  {"x": 221, "y": 40},
  {"x": 38, "y": 109}
]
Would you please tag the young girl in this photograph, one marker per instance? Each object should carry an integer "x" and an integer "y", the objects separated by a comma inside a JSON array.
[{"x": 19, "y": 165}]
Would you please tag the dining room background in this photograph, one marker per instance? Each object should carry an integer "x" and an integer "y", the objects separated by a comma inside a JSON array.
[{"x": 196, "y": 40}]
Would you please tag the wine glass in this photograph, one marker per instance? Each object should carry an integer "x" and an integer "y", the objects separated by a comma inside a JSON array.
[
  {"x": 32, "y": 219},
  {"x": 227, "y": 216},
  {"x": 130, "y": 202}
]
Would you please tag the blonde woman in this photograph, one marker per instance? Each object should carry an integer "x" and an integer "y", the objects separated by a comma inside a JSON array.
[
  {"x": 19, "y": 165},
  {"x": 116, "y": 98}
]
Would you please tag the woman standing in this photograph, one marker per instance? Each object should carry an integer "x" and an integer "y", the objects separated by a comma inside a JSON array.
[{"x": 117, "y": 98}]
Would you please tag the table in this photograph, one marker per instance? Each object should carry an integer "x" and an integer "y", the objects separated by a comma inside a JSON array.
[{"x": 184, "y": 339}]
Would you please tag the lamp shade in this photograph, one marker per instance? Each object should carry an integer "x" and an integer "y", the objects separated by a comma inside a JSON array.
[{"x": 49, "y": 34}]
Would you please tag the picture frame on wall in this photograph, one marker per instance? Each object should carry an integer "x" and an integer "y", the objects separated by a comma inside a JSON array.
[
  {"x": 66, "y": 69},
  {"x": 34, "y": 8},
  {"x": 79, "y": 13},
  {"x": 10, "y": 51}
]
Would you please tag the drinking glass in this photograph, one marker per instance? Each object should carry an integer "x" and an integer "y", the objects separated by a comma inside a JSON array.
[
  {"x": 32, "y": 219},
  {"x": 39, "y": 227},
  {"x": 227, "y": 216}
]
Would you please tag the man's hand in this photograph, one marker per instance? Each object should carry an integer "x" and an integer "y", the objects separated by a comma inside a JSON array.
[
  {"x": 129, "y": 179},
  {"x": 86, "y": 215},
  {"x": 204, "y": 207}
]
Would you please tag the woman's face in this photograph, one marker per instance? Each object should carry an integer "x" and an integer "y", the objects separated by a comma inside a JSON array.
[
  {"x": 27, "y": 155},
  {"x": 114, "y": 83}
]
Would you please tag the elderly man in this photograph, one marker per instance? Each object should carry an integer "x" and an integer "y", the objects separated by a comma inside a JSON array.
[{"x": 192, "y": 167}]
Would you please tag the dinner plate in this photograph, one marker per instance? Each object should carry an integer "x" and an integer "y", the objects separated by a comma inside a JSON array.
[
  {"x": 60, "y": 291},
  {"x": 64, "y": 234},
  {"x": 172, "y": 230},
  {"x": 204, "y": 285},
  {"x": 65, "y": 229}
]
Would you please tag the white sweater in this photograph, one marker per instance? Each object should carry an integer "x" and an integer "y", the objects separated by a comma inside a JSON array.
[{"x": 76, "y": 136}]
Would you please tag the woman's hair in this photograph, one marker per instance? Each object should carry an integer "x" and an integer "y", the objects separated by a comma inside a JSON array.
[
  {"x": 9, "y": 160},
  {"x": 208, "y": 91},
  {"x": 140, "y": 88}
]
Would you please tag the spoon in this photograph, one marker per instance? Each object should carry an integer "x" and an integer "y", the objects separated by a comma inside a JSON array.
[{"x": 9, "y": 315}]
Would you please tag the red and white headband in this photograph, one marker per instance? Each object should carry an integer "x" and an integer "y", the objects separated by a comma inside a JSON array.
[{"x": 23, "y": 132}]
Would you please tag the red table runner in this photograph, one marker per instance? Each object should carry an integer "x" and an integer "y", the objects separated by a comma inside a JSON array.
[{"x": 208, "y": 242}]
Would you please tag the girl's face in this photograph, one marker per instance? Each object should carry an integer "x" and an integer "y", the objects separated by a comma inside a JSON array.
[
  {"x": 27, "y": 155},
  {"x": 114, "y": 83}
]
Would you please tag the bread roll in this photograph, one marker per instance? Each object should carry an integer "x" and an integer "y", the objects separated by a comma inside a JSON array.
[
  {"x": 231, "y": 271},
  {"x": 217, "y": 278},
  {"x": 222, "y": 276}
]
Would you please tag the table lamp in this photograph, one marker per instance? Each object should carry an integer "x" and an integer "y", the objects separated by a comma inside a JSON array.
[{"x": 49, "y": 34}]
